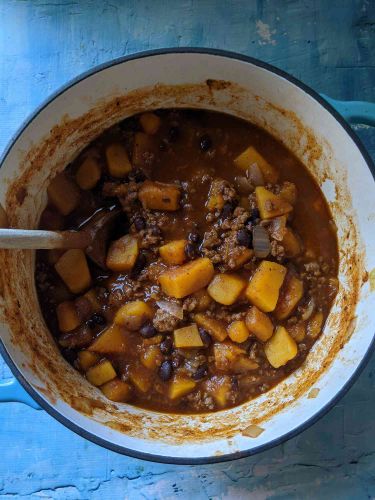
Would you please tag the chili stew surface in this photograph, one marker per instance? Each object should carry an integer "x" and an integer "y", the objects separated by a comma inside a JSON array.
[{"x": 213, "y": 266}]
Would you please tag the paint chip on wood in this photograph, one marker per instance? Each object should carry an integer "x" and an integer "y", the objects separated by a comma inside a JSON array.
[{"x": 265, "y": 34}]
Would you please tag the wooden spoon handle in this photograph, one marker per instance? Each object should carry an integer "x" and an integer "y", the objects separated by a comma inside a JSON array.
[{"x": 37, "y": 239}]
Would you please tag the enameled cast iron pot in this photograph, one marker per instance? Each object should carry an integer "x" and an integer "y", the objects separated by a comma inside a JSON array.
[{"x": 308, "y": 125}]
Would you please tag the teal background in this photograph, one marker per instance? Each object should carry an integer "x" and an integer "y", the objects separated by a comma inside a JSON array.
[{"x": 329, "y": 46}]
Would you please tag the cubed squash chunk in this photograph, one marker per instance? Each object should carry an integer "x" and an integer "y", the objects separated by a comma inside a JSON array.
[
  {"x": 122, "y": 254},
  {"x": 225, "y": 354},
  {"x": 118, "y": 162},
  {"x": 226, "y": 288},
  {"x": 63, "y": 193},
  {"x": 213, "y": 326},
  {"x": 203, "y": 300},
  {"x": 297, "y": 331},
  {"x": 187, "y": 279},
  {"x": 290, "y": 294},
  {"x": 134, "y": 314},
  {"x": 173, "y": 253},
  {"x": 220, "y": 387},
  {"x": 180, "y": 386},
  {"x": 291, "y": 243},
  {"x": 215, "y": 199},
  {"x": 240, "y": 256},
  {"x": 250, "y": 156},
  {"x": 160, "y": 196},
  {"x": 244, "y": 364},
  {"x": 238, "y": 331},
  {"x": 67, "y": 316},
  {"x": 150, "y": 123},
  {"x": 73, "y": 270},
  {"x": 151, "y": 357},
  {"x": 112, "y": 340},
  {"x": 259, "y": 324},
  {"x": 264, "y": 287},
  {"x": 101, "y": 373},
  {"x": 87, "y": 359},
  {"x": 314, "y": 326},
  {"x": 143, "y": 145},
  {"x": 280, "y": 348},
  {"x": 116, "y": 390},
  {"x": 88, "y": 173},
  {"x": 289, "y": 192},
  {"x": 187, "y": 337},
  {"x": 141, "y": 377},
  {"x": 271, "y": 205}
]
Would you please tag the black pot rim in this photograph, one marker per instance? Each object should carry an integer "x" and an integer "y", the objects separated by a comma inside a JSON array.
[{"x": 155, "y": 457}]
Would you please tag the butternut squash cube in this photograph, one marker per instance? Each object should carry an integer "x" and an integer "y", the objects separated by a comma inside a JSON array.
[
  {"x": 213, "y": 326},
  {"x": 280, "y": 348},
  {"x": 134, "y": 314},
  {"x": 187, "y": 337},
  {"x": 141, "y": 378},
  {"x": 314, "y": 326},
  {"x": 88, "y": 173},
  {"x": 122, "y": 254},
  {"x": 118, "y": 162},
  {"x": 259, "y": 324},
  {"x": 160, "y": 196},
  {"x": 67, "y": 316},
  {"x": 203, "y": 300},
  {"x": 116, "y": 390},
  {"x": 180, "y": 386},
  {"x": 271, "y": 205},
  {"x": 289, "y": 192},
  {"x": 187, "y": 279},
  {"x": 263, "y": 289},
  {"x": 150, "y": 123},
  {"x": 112, "y": 340},
  {"x": 240, "y": 257},
  {"x": 101, "y": 373},
  {"x": 238, "y": 331},
  {"x": 291, "y": 243},
  {"x": 297, "y": 331},
  {"x": 226, "y": 288},
  {"x": 173, "y": 253},
  {"x": 87, "y": 359},
  {"x": 215, "y": 199},
  {"x": 250, "y": 156},
  {"x": 220, "y": 388},
  {"x": 243, "y": 364},
  {"x": 73, "y": 270},
  {"x": 290, "y": 294},
  {"x": 225, "y": 355},
  {"x": 153, "y": 340},
  {"x": 63, "y": 193},
  {"x": 151, "y": 357},
  {"x": 143, "y": 145}
]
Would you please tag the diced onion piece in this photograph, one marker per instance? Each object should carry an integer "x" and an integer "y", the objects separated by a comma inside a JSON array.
[
  {"x": 277, "y": 228},
  {"x": 243, "y": 185},
  {"x": 261, "y": 242},
  {"x": 172, "y": 308},
  {"x": 309, "y": 309},
  {"x": 255, "y": 176},
  {"x": 253, "y": 431}
]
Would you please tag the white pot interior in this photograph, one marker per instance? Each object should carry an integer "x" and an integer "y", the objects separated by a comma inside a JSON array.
[{"x": 74, "y": 118}]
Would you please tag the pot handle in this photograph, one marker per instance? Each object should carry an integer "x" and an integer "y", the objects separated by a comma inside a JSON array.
[
  {"x": 12, "y": 391},
  {"x": 354, "y": 111}
]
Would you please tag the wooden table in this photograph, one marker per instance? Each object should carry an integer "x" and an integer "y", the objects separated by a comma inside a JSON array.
[{"x": 328, "y": 45}]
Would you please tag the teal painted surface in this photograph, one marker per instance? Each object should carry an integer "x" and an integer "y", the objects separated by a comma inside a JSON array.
[{"x": 328, "y": 45}]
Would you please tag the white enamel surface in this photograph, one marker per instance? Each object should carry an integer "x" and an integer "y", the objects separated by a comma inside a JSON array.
[{"x": 345, "y": 160}]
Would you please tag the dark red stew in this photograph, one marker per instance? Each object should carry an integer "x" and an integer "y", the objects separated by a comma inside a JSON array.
[{"x": 213, "y": 266}]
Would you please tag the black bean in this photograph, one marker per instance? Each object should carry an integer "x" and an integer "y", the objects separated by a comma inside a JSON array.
[
  {"x": 205, "y": 336},
  {"x": 163, "y": 146},
  {"x": 96, "y": 320},
  {"x": 173, "y": 134},
  {"x": 139, "y": 223},
  {"x": 194, "y": 237},
  {"x": 201, "y": 372},
  {"x": 205, "y": 142},
  {"x": 177, "y": 360},
  {"x": 140, "y": 263},
  {"x": 244, "y": 238},
  {"x": 148, "y": 330},
  {"x": 137, "y": 175},
  {"x": 190, "y": 251},
  {"x": 166, "y": 345},
  {"x": 227, "y": 210},
  {"x": 165, "y": 370},
  {"x": 254, "y": 215},
  {"x": 155, "y": 230}
]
